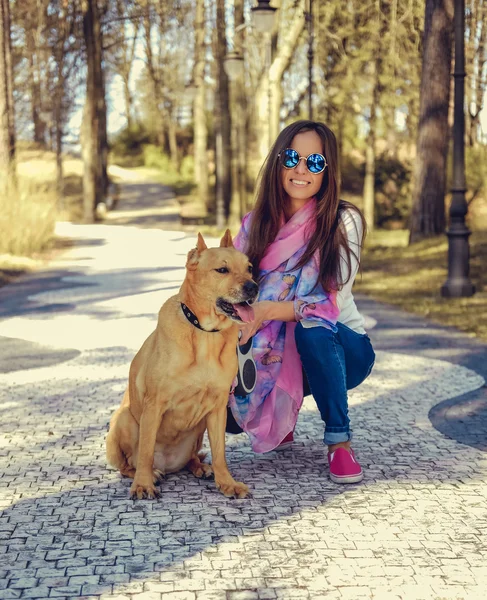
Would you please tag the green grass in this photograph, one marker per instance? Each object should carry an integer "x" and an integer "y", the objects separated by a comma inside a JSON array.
[{"x": 411, "y": 277}]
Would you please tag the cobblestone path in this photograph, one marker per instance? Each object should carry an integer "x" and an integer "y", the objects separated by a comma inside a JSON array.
[{"x": 415, "y": 528}]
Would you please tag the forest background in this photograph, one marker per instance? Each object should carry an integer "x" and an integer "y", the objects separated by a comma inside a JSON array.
[{"x": 142, "y": 84}]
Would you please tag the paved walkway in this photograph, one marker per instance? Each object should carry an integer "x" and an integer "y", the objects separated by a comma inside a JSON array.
[{"x": 416, "y": 527}]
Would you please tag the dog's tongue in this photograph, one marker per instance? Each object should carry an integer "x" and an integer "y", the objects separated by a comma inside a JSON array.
[{"x": 245, "y": 312}]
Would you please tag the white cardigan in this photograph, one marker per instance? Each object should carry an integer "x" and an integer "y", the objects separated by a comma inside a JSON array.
[{"x": 349, "y": 314}]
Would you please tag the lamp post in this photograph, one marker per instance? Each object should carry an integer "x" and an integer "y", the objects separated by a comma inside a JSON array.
[
  {"x": 309, "y": 19},
  {"x": 263, "y": 19},
  {"x": 458, "y": 283},
  {"x": 234, "y": 65},
  {"x": 263, "y": 16}
]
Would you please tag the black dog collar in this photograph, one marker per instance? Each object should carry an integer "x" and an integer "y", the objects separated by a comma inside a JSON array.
[{"x": 193, "y": 320}]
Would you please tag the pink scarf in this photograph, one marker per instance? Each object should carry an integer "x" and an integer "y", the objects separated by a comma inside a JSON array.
[{"x": 271, "y": 411}]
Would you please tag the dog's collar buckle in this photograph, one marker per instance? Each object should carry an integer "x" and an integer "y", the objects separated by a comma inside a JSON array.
[{"x": 189, "y": 314}]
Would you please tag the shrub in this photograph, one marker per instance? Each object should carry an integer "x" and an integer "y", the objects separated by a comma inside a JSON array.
[
  {"x": 126, "y": 147},
  {"x": 352, "y": 174},
  {"x": 186, "y": 169},
  {"x": 475, "y": 170},
  {"x": 28, "y": 217},
  {"x": 392, "y": 192}
]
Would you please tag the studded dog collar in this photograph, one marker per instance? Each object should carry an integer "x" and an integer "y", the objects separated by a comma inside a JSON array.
[{"x": 193, "y": 320}]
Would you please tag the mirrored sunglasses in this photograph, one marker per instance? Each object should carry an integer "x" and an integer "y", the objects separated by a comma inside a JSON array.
[{"x": 315, "y": 163}]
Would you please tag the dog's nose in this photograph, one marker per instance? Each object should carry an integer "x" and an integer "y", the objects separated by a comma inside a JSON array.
[{"x": 251, "y": 289}]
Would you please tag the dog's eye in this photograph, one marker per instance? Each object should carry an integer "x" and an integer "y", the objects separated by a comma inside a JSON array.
[
  {"x": 250, "y": 269},
  {"x": 222, "y": 270}
]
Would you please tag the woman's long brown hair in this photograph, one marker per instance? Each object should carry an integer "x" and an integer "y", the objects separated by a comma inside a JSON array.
[{"x": 328, "y": 236}]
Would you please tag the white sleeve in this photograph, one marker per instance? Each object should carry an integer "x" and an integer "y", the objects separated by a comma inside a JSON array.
[{"x": 352, "y": 224}]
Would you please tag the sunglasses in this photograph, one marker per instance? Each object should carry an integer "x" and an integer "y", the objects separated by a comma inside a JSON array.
[{"x": 315, "y": 163}]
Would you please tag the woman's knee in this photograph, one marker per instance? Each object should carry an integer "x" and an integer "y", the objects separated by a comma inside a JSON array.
[{"x": 360, "y": 365}]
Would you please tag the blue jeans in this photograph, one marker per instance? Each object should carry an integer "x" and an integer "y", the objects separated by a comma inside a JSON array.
[{"x": 334, "y": 363}]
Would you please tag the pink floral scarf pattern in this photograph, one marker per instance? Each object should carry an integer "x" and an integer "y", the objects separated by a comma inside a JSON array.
[{"x": 270, "y": 412}]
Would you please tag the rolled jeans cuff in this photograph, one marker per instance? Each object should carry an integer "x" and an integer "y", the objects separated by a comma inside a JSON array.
[{"x": 335, "y": 437}]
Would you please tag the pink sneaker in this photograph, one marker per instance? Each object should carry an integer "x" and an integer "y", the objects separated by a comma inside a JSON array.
[
  {"x": 286, "y": 442},
  {"x": 343, "y": 466}
]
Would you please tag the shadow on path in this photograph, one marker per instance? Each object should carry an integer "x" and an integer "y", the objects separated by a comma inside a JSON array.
[{"x": 464, "y": 418}]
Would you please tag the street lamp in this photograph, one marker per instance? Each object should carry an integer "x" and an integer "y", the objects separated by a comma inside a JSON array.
[
  {"x": 263, "y": 16},
  {"x": 458, "y": 283},
  {"x": 190, "y": 90},
  {"x": 234, "y": 65}
]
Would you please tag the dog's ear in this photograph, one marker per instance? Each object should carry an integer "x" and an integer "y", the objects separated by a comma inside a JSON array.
[
  {"x": 192, "y": 259},
  {"x": 200, "y": 245},
  {"x": 194, "y": 254},
  {"x": 226, "y": 241}
]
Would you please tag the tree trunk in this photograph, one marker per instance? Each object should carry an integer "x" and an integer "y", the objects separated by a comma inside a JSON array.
[
  {"x": 199, "y": 113},
  {"x": 428, "y": 214},
  {"x": 59, "y": 161},
  {"x": 391, "y": 136},
  {"x": 369, "y": 181},
  {"x": 94, "y": 131},
  {"x": 225, "y": 173},
  {"x": 172, "y": 139},
  {"x": 155, "y": 79},
  {"x": 128, "y": 100},
  {"x": 35, "y": 90},
  {"x": 481, "y": 75},
  {"x": 7, "y": 119},
  {"x": 239, "y": 110}
]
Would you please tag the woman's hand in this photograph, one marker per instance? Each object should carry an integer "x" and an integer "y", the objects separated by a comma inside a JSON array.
[
  {"x": 261, "y": 314},
  {"x": 267, "y": 310}
]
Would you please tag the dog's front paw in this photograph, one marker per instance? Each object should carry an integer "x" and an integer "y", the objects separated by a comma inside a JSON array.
[
  {"x": 141, "y": 491},
  {"x": 233, "y": 489}
]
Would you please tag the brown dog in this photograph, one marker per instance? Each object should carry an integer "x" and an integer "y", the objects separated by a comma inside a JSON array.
[{"x": 180, "y": 379}]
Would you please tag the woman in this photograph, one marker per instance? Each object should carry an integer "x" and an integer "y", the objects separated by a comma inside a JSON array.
[{"x": 304, "y": 244}]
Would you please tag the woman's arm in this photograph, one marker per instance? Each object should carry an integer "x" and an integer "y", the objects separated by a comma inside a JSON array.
[
  {"x": 353, "y": 228},
  {"x": 277, "y": 311},
  {"x": 267, "y": 311}
]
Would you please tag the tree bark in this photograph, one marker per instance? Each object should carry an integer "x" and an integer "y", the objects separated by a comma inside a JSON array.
[
  {"x": 35, "y": 90},
  {"x": 128, "y": 100},
  {"x": 239, "y": 110},
  {"x": 94, "y": 132},
  {"x": 369, "y": 181},
  {"x": 125, "y": 53},
  {"x": 59, "y": 157},
  {"x": 172, "y": 139},
  {"x": 199, "y": 112},
  {"x": 154, "y": 77},
  {"x": 428, "y": 214},
  {"x": 224, "y": 174},
  {"x": 481, "y": 76},
  {"x": 7, "y": 117}
]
